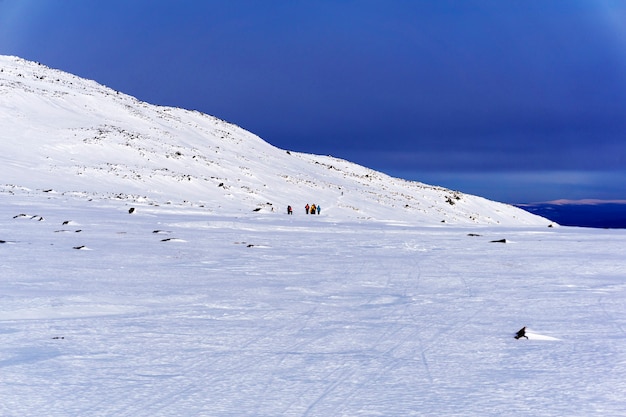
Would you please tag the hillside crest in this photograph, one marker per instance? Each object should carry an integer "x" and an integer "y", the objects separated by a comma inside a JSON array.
[{"x": 65, "y": 134}]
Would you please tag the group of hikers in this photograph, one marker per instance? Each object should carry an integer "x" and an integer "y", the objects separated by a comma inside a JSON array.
[{"x": 312, "y": 209}]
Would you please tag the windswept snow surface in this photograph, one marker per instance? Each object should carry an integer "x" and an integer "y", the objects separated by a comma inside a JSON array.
[
  {"x": 175, "y": 311},
  {"x": 400, "y": 299}
]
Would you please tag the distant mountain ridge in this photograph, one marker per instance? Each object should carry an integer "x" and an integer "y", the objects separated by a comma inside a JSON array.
[{"x": 64, "y": 134}]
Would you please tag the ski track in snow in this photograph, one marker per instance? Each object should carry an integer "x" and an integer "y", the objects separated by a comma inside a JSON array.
[{"x": 318, "y": 319}]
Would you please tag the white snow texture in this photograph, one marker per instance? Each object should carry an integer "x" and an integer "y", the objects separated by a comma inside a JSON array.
[{"x": 398, "y": 299}]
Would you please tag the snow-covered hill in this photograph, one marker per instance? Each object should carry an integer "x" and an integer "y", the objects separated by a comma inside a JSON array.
[
  {"x": 197, "y": 305},
  {"x": 176, "y": 312},
  {"x": 64, "y": 134}
]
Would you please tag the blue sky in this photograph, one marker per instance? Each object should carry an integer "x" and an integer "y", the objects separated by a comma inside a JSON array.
[{"x": 517, "y": 101}]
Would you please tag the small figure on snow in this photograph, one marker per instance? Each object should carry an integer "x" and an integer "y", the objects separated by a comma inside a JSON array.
[
  {"x": 319, "y": 208},
  {"x": 289, "y": 210},
  {"x": 313, "y": 209},
  {"x": 521, "y": 333},
  {"x": 307, "y": 208}
]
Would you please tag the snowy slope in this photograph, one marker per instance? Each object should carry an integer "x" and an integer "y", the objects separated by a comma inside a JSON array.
[
  {"x": 196, "y": 305},
  {"x": 293, "y": 316},
  {"x": 66, "y": 134}
]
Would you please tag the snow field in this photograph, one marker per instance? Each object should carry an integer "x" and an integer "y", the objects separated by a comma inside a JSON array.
[
  {"x": 269, "y": 314},
  {"x": 208, "y": 300}
]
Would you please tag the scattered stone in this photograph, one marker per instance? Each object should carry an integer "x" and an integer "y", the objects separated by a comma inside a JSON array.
[
  {"x": 172, "y": 239},
  {"x": 36, "y": 217},
  {"x": 521, "y": 333}
]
